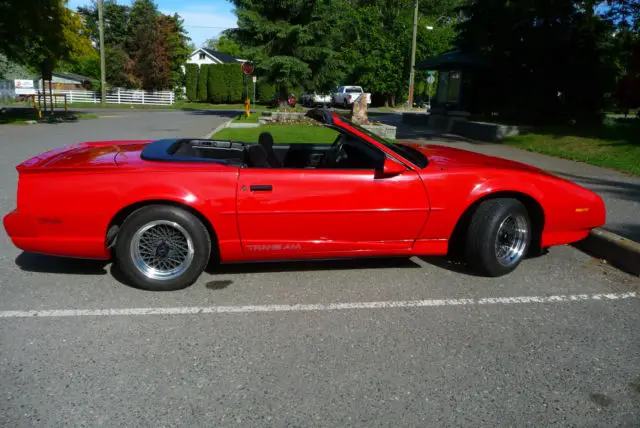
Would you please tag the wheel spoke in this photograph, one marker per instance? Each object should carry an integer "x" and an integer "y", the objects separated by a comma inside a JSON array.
[
  {"x": 162, "y": 250},
  {"x": 511, "y": 240}
]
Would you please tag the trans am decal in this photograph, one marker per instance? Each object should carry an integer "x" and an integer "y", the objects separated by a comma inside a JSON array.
[{"x": 274, "y": 247}]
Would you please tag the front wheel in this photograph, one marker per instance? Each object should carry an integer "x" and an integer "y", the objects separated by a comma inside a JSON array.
[
  {"x": 162, "y": 248},
  {"x": 498, "y": 237}
]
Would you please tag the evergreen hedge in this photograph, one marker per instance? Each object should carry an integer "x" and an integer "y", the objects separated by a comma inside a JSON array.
[
  {"x": 191, "y": 81},
  {"x": 217, "y": 84},
  {"x": 224, "y": 84},
  {"x": 202, "y": 82},
  {"x": 234, "y": 83}
]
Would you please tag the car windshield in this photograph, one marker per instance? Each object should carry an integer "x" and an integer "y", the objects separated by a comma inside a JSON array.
[{"x": 407, "y": 152}]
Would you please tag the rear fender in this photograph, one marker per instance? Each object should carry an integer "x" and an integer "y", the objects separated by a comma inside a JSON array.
[{"x": 218, "y": 213}]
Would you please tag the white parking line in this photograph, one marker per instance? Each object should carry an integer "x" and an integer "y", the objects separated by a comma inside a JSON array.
[{"x": 318, "y": 307}]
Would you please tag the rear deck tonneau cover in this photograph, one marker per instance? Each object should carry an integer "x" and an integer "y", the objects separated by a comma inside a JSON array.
[{"x": 191, "y": 150}]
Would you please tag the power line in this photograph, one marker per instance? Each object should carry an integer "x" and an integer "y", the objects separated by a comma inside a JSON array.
[{"x": 202, "y": 26}]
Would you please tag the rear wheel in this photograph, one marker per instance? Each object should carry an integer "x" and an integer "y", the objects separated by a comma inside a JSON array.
[
  {"x": 162, "y": 248},
  {"x": 498, "y": 237}
]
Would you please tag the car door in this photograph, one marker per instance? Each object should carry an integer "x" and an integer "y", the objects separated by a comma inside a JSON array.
[{"x": 287, "y": 212}]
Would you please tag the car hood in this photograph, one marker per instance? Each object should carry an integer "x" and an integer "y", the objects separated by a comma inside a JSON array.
[{"x": 452, "y": 158}]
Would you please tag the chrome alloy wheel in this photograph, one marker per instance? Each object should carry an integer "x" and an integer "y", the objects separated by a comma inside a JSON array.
[
  {"x": 162, "y": 250},
  {"x": 511, "y": 240}
]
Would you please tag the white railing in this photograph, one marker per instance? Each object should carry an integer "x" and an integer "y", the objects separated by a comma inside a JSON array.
[{"x": 116, "y": 96}]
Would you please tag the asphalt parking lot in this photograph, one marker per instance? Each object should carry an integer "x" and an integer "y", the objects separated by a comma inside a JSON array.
[{"x": 391, "y": 342}]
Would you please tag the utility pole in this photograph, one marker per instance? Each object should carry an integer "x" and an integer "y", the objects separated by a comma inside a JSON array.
[
  {"x": 103, "y": 80},
  {"x": 413, "y": 54}
]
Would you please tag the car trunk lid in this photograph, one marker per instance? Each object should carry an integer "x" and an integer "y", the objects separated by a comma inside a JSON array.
[{"x": 80, "y": 156}]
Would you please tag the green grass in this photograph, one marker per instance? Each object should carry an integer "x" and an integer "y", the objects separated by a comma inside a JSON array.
[
  {"x": 281, "y": 134},
  {"x": 241, "y": 118},
  {"x": 615, "y": 144}
]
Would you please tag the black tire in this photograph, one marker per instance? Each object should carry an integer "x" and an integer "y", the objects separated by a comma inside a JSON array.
[
  {"x": 481, "y": 251},
  {"x": 197, "y": 232}
]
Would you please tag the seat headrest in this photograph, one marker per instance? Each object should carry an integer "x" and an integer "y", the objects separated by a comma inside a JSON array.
[
  {"x": 258, "y": 155},
  {"x": 265, "y": 138}
]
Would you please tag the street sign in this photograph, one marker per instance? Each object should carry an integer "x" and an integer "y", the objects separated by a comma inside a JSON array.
[
  {"x": 247, "y": 67},
  {"x": 255, "y": 79},
  {"x": 431, "y": 79},
  {"x": 431, "y": 72}
]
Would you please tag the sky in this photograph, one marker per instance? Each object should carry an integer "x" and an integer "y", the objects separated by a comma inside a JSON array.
[{"x": 203, "y": 19}]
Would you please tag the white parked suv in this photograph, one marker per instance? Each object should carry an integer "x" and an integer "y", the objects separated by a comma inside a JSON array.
[{"x": 345, "y": 96}]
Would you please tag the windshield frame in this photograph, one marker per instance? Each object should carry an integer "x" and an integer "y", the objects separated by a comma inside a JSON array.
[{"x": 409, "y": 153}]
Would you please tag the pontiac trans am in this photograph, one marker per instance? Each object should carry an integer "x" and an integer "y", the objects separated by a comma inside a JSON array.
[{"x": 164, "y": 209}]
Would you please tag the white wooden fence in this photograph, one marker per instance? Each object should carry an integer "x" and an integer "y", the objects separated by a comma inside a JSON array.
[{"x": 116, "y": 96}]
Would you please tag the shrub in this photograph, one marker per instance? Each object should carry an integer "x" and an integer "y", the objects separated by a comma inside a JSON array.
[{"x": 264, "y": 91}]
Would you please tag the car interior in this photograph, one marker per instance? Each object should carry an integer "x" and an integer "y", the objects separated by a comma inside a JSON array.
[{"x": 345, "y": 152}]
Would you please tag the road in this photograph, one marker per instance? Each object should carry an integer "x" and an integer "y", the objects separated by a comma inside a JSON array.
[{"x": 392, "y": 342}]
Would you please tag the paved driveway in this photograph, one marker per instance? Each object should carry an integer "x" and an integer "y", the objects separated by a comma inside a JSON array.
[{"x": 393, "y": 342}]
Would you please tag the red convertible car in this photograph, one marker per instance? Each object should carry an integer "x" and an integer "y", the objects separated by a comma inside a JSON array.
[{"x": 163, "y": 209}]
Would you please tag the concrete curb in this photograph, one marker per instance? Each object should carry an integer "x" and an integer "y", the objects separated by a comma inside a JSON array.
[
  {"x": 244, "y": 125},
  {"x": 218, "y": 128},
  {"x": 620, "y": 252}
]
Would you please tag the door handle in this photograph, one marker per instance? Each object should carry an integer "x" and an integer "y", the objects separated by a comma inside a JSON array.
[{"x": 261, "y": 187}]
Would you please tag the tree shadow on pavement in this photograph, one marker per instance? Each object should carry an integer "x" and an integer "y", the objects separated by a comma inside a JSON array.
[
  {"x": 31, "y": 262},
  {"x": 622, "y": 189},
  {"x": 224, "y": 113}
]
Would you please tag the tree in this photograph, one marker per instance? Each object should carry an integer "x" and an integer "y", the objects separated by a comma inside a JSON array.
[
  {"x": 225, "y": 44},
  {"x": 179, "y": 49},
  {"x": 153, "y": 46},
  {"x": 376, "y": 42},
  {"x": 120, "y": 68},
  {"x": 55, "y": 34},
  {"x": 551, "y": 59},
  {"x": 116, "y": 19},
  {"x": 31, "y": 30},
  {"x": 288, "y": 40}
]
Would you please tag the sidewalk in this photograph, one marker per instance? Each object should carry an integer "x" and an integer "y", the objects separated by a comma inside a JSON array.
[{"x": 621, "y": 192}]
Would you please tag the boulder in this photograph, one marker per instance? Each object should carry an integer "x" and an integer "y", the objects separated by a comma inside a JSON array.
[{"x": 359, "y": 113}]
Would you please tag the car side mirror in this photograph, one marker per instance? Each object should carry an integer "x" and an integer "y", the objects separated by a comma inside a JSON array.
[{"x": 390, "y": 168}]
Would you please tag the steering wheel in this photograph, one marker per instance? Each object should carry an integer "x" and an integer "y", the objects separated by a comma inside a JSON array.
[{"x": 333, "y": 154}]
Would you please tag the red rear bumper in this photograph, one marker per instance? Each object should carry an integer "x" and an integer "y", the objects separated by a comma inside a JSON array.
[
  {"x": 23, "y": 231},
  {"x": 19, "y": 225}
]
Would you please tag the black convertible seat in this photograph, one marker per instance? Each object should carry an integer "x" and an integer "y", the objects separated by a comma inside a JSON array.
[
  {"x": 265, "y": 139},
  {"x": 258, "y": 156}
]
